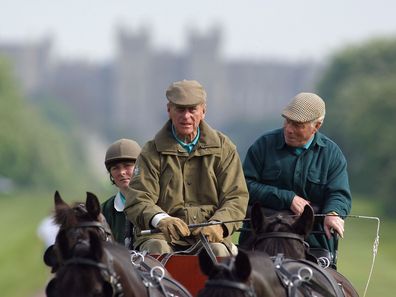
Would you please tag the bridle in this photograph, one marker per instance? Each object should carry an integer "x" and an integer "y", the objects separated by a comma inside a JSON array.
[
  {"x": 107, "y": 271},
  {"x": 105, "y": 232},
  {"x": 283, "y": 235}
]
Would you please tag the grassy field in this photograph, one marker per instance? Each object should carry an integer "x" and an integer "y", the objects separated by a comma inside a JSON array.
[{"x": 23, "y": 273}]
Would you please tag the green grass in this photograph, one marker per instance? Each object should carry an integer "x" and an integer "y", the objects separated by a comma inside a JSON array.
[{"x": 23, "y": 273}]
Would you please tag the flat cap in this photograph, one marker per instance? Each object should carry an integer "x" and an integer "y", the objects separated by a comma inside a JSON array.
[
  {"x": 305, "y": 107},
  {"x": 186, "y": 93}
]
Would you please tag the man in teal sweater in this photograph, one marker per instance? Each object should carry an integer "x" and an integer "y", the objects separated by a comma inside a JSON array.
[{"x": 297, "y": 165}]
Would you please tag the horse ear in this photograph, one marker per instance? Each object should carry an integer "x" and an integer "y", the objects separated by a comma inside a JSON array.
[
  {"x": 93, "y": 205},
  {"x": 58, "y": 199},
  {"x": 304, "y": 223},
  {"x": 242, "y": 267},
  {"x": 61, "y": 209},
  {"x": 50, "y": 290},
  {"x": 257, "y": 217},
  {"x": 205, "y": 263}
]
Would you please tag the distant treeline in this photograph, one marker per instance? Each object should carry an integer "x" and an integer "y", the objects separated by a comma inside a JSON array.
[
  {"x": 360, "y": 91},
  {"x": 36, "y": 153}
]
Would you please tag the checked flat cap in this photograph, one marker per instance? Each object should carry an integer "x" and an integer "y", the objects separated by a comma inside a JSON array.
[{"x": 305, "y": 107}]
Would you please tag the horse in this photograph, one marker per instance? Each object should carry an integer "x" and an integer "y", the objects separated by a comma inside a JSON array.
[
  {"x": 248, "y": 274},
  {"x": 88, "y": 262},
  {"x": 284, "y": 234},
  {"x": 77, "y": 219}
]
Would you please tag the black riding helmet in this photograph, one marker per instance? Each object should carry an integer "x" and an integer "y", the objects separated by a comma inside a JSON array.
[{"x": 121, "y": 150}]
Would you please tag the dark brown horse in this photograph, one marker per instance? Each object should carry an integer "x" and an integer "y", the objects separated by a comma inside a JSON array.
[
  {"x": 88, "y": 263},
  {"x": 284, "y": 233}
]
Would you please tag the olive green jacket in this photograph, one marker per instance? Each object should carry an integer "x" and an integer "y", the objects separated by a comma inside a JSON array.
[{"x": 206, "y": 185}]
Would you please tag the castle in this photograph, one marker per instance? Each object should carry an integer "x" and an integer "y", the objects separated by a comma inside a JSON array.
[{"x": 126, "y": 96}]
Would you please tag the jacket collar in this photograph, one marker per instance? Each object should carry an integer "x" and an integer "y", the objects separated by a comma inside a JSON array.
[
  {"x": 165, "y": 142},
  {"x": 318, "y": 140}
]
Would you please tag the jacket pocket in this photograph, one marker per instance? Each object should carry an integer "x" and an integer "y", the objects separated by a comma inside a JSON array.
[
  {"x": 317, "y": 177},
  {"x": 316, "y": 187}
]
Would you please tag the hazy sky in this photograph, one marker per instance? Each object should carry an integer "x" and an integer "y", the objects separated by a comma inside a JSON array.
[{"x": 291, "y": 29}]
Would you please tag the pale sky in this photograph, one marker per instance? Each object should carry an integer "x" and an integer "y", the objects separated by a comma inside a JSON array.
[{"x": 286, "y": 29}]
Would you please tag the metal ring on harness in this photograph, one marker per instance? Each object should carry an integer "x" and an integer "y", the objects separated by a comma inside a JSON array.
[
  {"x": 324, "y": 262},
  {"x": 135, "y": 256},
  {"x": 305, "y": 273},
  {"x": 159, "y": 276}
]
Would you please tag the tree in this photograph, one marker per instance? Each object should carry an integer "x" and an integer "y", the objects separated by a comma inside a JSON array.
[
  {"x": 359, "y": 85},
  {"x": 34, "y": 153}
]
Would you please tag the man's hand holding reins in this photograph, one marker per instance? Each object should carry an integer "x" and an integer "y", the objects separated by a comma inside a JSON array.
[
  {"x": 214, "y": 233},
  {"x": 298, "y": 204},
  {"x": 333, "y": 222},
  {"x": 173, "y": 228}
]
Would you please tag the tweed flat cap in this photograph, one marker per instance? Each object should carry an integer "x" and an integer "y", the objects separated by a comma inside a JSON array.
[
  {"x": 186, "y": 93},
  {"x": 305, "y": 107}
]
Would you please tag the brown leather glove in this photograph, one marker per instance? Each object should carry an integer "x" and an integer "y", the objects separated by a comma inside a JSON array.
[
  {"x": 173, "y": 228},
  {"x": 214, "y": 233}
]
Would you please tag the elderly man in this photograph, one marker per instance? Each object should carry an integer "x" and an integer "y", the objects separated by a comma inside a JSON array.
[
  {"x": 188, "y": 174},
  {"x": 297, "y": 165}
]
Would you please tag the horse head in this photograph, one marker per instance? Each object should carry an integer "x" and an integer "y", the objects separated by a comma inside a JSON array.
[
  {"x": 80, "y": 218},
  {"x": 231, "y": 278},
  {"x": 282, "y": 232},
  {"x": 85, "y": 272},
  {"x": 69, "y": 216}
]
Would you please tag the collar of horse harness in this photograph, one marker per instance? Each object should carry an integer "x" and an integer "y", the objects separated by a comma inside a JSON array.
[
  {"x": 285, "y": 235},
  {"x": 247, "y": 290},
  {"x": 107, "y": 272}
]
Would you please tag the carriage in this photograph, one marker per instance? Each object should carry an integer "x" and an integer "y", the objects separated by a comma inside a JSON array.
[{"x": 86, "y": 264}]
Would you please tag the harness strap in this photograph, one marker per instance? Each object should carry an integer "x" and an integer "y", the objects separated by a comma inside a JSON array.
[
  {"x": 107, "y": 232},
  {"x": 157, "y": 282},
  {"x": 207, "y": 247},
  {"x": 295, "y": 282}
]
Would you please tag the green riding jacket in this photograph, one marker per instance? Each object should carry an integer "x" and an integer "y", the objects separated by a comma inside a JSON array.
[
  {"x": 275, "y": 173},
  {"x": 207, "y": 184},
  {"x": 115, "y": 219}
]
